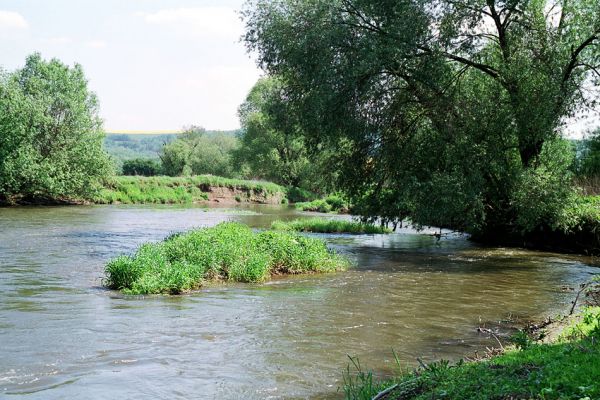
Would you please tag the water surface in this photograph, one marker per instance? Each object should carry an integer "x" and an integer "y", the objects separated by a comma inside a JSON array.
[{"x": 63, "y": 336}]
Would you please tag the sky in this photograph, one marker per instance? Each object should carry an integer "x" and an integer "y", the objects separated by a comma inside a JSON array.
[{"x": 154, "y": 64}]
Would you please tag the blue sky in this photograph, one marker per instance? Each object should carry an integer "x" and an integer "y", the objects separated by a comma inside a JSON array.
[{"x": 154, "y": 64}]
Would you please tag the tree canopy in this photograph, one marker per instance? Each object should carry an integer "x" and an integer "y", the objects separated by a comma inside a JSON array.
[
  {"x": 449, "y": 112},
  {"x": 197, "y": 152},
  {"x": 50, "y": 134},
  {"x": 272, "y": 144}
]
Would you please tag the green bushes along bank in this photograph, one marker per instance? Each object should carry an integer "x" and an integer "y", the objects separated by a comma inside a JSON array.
[
  {"x": 228, "y": 251},
  {"x": 322, "y": 225}
]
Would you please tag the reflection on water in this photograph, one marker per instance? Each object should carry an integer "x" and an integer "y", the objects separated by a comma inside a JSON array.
[{"x": 63, "y": 336}]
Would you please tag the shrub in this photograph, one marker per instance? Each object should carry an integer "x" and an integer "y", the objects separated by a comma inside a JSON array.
[
  {"x": 140, "y": 166},
  {"x": 332, "y": 203}
]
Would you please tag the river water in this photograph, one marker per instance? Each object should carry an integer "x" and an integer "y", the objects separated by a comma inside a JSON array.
[{"x": 63, "y": 336}]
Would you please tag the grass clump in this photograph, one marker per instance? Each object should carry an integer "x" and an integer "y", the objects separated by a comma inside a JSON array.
[
  {"x": 322, "y": 225},
  {"x": 330, "y": 204},
  {"x": 176, "y": 190},
  {"x": 566, "y": 369},
  {"x": 228, "y": 251}
]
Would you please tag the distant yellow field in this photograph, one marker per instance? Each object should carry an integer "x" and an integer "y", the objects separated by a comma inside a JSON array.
[{"x": 131, "y": 132}]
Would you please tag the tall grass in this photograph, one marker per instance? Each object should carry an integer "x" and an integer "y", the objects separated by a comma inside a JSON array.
[
  {"x": 228, "y": 251},
  {"x": 322, "y": 225},
  {"x": 168, "y": 190}
]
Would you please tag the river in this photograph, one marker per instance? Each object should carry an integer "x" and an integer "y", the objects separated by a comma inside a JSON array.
[{"x": 63, "y": 336}]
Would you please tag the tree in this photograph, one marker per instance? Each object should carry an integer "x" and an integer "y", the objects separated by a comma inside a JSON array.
[
  {"x": 589, "y": 160},
  {"x": 450, "y": 111},
  {"x": 50, "y": 134},
  {"x": 197, "y": 152},
  {"x": 141, "y": 166},
  {"x": 272, "y": 146}
]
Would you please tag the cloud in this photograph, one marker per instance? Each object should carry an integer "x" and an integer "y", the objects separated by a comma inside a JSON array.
[
  {"x": 96, "y": 44},
  {"x": 12, "y": 20},
  {"x": 197, "y": 21}
]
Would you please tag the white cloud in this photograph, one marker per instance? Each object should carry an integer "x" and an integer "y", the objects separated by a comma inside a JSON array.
[
  {"x": 96, "y": 44},
  {"x": 12, "y": 20},
  {"x": 197, "y": 21}
]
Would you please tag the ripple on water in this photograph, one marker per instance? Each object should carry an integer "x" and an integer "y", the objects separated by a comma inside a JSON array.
[{"x": 63, "y": 336}]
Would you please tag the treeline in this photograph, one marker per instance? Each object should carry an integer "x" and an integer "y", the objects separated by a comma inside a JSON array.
[
  {"x": 270, "y": 146},
  {"x": 53, "y": 149}
]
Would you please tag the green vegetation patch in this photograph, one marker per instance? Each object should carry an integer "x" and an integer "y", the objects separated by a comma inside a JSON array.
[
  {"x": 228, "y": 251},
  {"x": 175, "y": 190},
  {"x": 322, "y": 225},
  {"x": 567, "y": 369},
  {"x": 331, "y": 203}
]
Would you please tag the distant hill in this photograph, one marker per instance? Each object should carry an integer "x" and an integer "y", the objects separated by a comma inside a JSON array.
[{"x": 126, "y": 145}]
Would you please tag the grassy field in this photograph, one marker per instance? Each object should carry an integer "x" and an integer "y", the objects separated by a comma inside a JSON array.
[
  {"x": 228, "y": 251},
  {"x": 565, "y": 369},
  {"x": 175, "y": 190},
  {"x": 322, "y": 225}
]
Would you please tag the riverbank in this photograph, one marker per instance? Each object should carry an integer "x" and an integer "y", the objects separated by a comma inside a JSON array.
[
  {"x": 187, "y": 190},
  {"x": 576, "y": 230},
  {"x": 561, "y": 362}
]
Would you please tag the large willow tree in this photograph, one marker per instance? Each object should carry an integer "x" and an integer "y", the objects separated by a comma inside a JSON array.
[{"x": 449, "y": 112}]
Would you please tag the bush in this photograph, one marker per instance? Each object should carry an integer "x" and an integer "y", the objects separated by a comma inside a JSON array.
[
  {"x": 228, "y": 251},
  {"x": 297, "y": 195},
  {"x": 332, "y": 203},
  {"x": 142, "y": 167}
]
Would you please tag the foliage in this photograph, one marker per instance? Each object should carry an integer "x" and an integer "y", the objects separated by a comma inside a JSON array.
[
  {"x": 589, "y": 160},
  {"x": 141, "y": 166},
  {"x": 447, "y": 112},
  {"x": 567, "y": 369},
  {"x": 50, "y": 134},
  {"x": 272, "y": 146},
  {"x": 197, "y": 152},
  {"x": 296, "y": 195},
  {"x": 169, "y": 190},
  {"x": 332, "y": 203},
  {"x": 321, "y": 225},
  {"x": 123, "y": 146},
  {"x": 228, "y": 251}
]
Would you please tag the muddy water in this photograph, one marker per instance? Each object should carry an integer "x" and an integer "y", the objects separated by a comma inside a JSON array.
[{"x": 63, "y": 336}]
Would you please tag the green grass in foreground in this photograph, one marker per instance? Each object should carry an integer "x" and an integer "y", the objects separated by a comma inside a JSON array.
[
  {"x": 322, "y": 225},
  {"x": 228, "y": 251},
  {"x": 171, "y": 190},
  {"x": 567, "y": 369}
]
